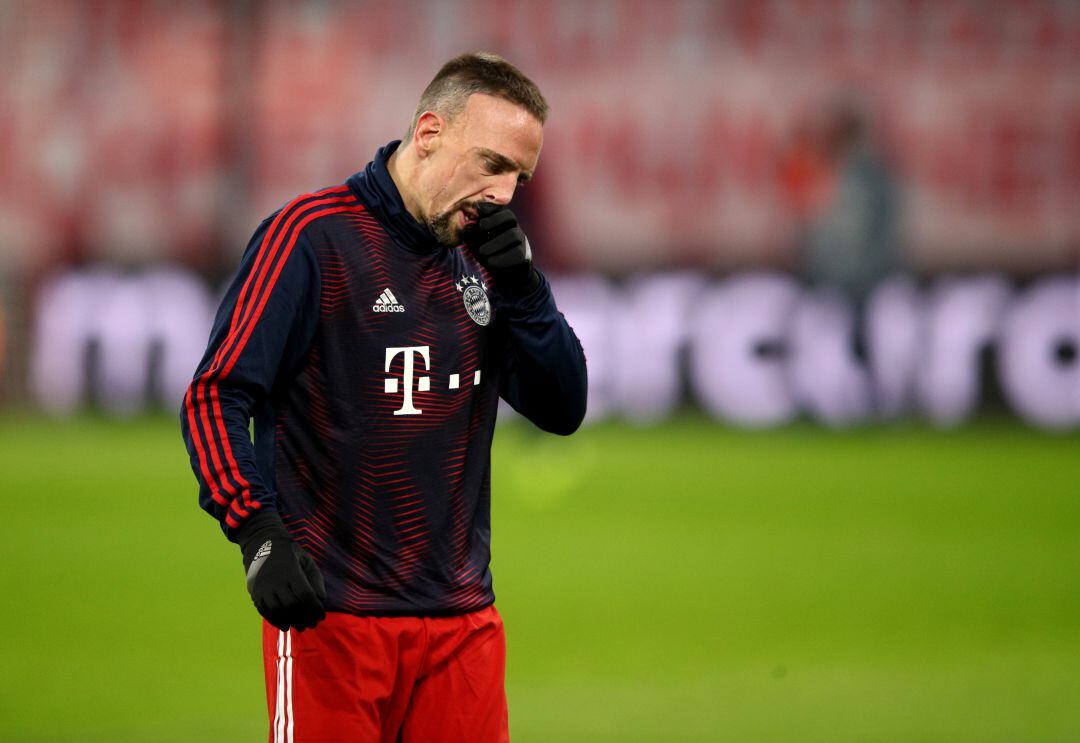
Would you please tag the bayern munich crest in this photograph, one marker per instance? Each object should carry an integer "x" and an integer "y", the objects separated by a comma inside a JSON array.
[{"x": 474, "y": 293}]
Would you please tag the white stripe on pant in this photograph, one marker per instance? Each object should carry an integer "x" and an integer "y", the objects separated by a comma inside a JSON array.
[{"x": 283, "y": 709}]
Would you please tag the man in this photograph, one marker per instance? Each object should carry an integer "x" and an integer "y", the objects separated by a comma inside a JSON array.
[{"x": 370, "y": 346}]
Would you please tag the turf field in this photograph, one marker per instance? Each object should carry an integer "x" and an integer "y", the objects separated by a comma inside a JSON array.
[{"x": 683, "y": 583}]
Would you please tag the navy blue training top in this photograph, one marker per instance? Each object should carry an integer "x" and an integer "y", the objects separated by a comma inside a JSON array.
[{"x": 372, "y": 359}]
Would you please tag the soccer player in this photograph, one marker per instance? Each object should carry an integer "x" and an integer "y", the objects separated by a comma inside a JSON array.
[{"x": 370, "y": 331}]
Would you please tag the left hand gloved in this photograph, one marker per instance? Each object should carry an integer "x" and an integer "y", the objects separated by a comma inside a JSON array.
[
  {"x": 284, "y": 582},
  {"x": 501, "y": 247}
]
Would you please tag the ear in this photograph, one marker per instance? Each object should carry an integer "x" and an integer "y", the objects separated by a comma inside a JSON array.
[{"x": 426, "y": 137}]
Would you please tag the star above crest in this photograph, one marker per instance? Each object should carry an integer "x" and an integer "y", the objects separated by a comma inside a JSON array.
[{"x": 466, "y": 281}]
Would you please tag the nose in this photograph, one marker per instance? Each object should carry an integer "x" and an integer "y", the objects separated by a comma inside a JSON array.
[{"x": 501, "y": 191}]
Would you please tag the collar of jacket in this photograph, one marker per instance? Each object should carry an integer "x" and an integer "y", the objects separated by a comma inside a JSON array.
[{"x": 377, "y": 191}]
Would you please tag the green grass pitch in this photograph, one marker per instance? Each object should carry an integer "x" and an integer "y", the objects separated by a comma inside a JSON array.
[{"x": 680, "y": 583}]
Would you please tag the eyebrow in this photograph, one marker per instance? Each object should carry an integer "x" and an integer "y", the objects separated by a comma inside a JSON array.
[{"x": 504, "y": 163}]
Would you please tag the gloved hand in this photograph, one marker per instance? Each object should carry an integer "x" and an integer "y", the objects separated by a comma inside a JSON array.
[
  {"x": 501, "y": 247},
  {"x": 284, "y": 582}
]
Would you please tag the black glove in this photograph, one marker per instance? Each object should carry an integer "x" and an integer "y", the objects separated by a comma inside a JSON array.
[
  {"x": 284, "y": 582},
  {"x": 501, "y": 247}
]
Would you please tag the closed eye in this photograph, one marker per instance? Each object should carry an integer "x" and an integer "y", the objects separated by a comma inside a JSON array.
[{"x": 495, "y": 164}]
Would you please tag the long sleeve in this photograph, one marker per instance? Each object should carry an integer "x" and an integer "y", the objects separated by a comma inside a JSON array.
[
  {"x": 544, "y": 376},
  {"x": 263, "y": 328}
]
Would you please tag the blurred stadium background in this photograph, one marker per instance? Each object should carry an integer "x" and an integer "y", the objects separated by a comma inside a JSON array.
[{"x": 824, "y": 257}]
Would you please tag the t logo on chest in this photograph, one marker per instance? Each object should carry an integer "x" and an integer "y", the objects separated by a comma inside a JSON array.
[
  {"x": 423, "y": 384},
  {"x": 409, "y": 377}
]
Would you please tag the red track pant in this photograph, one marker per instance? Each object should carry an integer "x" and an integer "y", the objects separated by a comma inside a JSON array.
[{"x": 388, "y": 679}]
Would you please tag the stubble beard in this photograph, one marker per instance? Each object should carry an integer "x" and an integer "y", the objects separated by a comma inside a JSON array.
[
  {"x": 442, "y": 226},
  {"x": 444, "y": 231}
]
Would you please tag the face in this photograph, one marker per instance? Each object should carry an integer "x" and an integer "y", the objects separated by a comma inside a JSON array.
[{"x": 482, "y": 154}]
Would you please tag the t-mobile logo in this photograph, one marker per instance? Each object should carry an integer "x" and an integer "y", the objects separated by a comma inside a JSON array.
[{"x": 423, "y": 384}]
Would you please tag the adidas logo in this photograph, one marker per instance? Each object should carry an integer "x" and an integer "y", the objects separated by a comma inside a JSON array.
[{"x": 387, "y": 302}]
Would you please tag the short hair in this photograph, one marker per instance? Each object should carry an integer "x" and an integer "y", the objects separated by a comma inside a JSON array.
[{"x": 478, "y": 72}]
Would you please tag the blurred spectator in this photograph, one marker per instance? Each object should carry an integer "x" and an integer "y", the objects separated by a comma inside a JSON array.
[
  {"x": 804, "y": 176},
  {"x": 848, "y": 242}
]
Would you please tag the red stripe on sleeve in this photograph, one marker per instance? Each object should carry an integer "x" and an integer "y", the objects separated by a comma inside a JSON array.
[
  {"x": 220, "y": 420},
  {"x": 240, "y": 314},
  {"x": 198, "y": 386},
  {"x": 255, "y": 282},
  {"x": 200, "y": 450},
  {"x": 279, "y": 265},
  {"x": 238, "y": 509},
  {"x": 249, "y": 319},
  {"x": 219, "y": 469}
]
